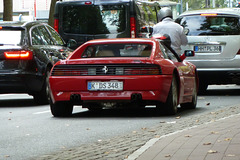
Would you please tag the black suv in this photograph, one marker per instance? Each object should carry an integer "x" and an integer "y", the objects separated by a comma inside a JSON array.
[
  {"x": 94, "y": 19},
  {"x": 27, "y": 54}
]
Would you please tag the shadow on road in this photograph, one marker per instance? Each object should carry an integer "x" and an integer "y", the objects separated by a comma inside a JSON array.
[
  {"x": 222, "y": 91},
  {"x": 17, "y": 103}
]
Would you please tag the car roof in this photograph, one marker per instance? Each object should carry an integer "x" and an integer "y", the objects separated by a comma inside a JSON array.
[
  {"x": 19, "y": 23},
  {"x": 123, "y": 40},
  {"x": 229, "y": 11}
]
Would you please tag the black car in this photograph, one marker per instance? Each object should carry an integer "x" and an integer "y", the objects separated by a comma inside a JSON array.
[
  {"x": 27, "y": 53},
  {"x": 95, "y": 19}
]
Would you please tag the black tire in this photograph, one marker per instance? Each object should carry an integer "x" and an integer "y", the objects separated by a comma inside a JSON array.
[
  {"x": 43, "y": 97},
  {"x": 170, "y": 107},
  {"x": 61, "y": 109},
  {"x": 193, "y": 104}
]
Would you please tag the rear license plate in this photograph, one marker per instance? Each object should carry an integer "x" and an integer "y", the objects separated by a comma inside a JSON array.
[
  {"x": 105, "y": 86},
  {"x": 208, "y": 48}
]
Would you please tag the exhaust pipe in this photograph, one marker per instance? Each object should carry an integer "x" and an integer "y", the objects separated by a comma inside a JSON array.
[
  {"x": 136, "y": 97},
  {"x": 75, "y": 98}
]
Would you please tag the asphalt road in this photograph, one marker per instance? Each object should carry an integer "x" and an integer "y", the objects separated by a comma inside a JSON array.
[{"x": 28, "y": 130}]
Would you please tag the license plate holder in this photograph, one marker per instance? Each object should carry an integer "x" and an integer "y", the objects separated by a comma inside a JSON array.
[
  {"x": 105, "y": 85},
  {"x": 208, "y": 48}
]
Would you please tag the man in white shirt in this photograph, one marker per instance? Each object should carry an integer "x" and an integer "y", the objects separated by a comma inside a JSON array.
[{"x": 168, "y": 26}]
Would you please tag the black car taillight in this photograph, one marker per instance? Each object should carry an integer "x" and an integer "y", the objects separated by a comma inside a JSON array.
[{"x": 19, "y": 55}]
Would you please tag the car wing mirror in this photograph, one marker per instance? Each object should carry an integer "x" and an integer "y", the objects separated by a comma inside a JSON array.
[{"x": 187, "y": 53}]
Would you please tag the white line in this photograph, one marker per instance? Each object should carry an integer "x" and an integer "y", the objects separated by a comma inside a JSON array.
[{"x": 41, "y": 112}]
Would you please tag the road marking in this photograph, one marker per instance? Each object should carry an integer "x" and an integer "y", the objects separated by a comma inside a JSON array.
[{"x": 42, "y": 112}]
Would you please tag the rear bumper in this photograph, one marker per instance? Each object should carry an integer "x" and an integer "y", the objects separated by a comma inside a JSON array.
[
  {"x": 20, "y": 83},
  {"x": 219, "y": 76},
  {"x": 151, "y": 88}
]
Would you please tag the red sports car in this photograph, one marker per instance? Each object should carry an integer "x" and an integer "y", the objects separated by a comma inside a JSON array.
[{"x": 124, "y": 72}]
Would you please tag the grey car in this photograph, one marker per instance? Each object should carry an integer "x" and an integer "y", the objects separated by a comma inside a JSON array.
[{"x": 214, "y": 35}]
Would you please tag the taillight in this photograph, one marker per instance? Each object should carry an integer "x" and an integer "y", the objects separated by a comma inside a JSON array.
[
  {"x": 18, "y": 55},
  {"x": 142, "y": 71},
  {"x": 56, "y": 25},
  {"x": 133, "y": 27}
]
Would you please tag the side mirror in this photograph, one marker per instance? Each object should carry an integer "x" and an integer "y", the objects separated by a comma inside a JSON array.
[
  {"x": 72, "y": 43},
  {"x": 187, "y": 53}
]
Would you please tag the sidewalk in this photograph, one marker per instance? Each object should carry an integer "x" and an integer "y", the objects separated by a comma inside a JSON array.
[{"x": 219, "y": 140}]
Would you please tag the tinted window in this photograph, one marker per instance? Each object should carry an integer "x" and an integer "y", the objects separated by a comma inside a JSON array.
[
  {"x": 118, "y": 50},
  {"x": 55, "y": 36},
  {"x": 11, "y": 37},
  {"x": 210, "y": 25},
  {"x": 92, "y": 19},
  {"x": 36, "y": 38}
]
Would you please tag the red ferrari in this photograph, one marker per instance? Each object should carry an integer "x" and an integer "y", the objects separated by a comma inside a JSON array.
[{"x": 126, "y": 72}]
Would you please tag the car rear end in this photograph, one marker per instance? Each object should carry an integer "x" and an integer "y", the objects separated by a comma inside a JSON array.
[
  {"x": 214, "y": 35},
  {"x": 14, "y": 59},
  {"x": 125, "y": 78},
  {"x": 93, "y": 19}
]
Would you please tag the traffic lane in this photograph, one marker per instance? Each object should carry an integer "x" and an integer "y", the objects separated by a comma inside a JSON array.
[{"x": 28, "y": 130}]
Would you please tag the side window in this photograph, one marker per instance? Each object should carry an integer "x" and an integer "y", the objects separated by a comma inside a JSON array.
[
  {"x": 47, "y": 40},
  {"x": 167, "y": 53},
  {"x": 36, "y": 38},
  {"x": 142, "y": 16},
  {"x": 55, "y": 36}
]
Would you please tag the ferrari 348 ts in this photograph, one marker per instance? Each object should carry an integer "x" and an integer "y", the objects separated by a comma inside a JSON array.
[{"x": 124, "y": 72}]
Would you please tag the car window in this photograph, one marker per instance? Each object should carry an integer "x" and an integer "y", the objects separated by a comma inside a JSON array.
[
  {"x": 167, "y": 53},
  {"x": 55, "y": 36},
  {"x": 94, "y": 19},
  {"x": 47, "y": 40},
  {"x": 11, "y": 37},
  {"x": 118, "y": 50},
  {"x": 210, "y": 25},
  {"x": 36, "y": 37}
]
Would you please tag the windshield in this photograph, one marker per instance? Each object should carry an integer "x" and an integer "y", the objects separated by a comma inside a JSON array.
[
  {"x": 210, "y": 25},
  {"x": 11, "y": 37},
  {"x": 90, "y": 19},
  {"x": 118, "y": 50}
]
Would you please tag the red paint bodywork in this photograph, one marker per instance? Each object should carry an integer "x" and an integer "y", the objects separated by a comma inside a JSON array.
[{"x": 151, "y": 87}]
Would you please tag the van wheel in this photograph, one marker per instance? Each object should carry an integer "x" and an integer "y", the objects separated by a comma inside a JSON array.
[
  {"x": 43, "y": 97},
  {"x": 61, "y": 109},
  {"x": 193, "y": 104}
]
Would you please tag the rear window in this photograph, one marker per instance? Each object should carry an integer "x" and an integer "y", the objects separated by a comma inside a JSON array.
[
  {"x": 210, "y": 25},
  {"x": 94, "y": 19},
  {"x": 118, "y": 50},
  {"x": 11, "y": 37}
]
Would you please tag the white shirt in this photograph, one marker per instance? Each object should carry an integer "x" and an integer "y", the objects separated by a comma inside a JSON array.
[{"x": 174, "y": 30}]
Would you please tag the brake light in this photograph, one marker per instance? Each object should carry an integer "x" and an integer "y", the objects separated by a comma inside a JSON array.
[
  {"x": 0, "y": 27},
  {"x": 133, "y": 27},
  {"x": 209, "y": 14},
  {"x": 142, "y": 71},
  {"x": 88, "y": 3},
  {"x": 16, "y": 55},
  {"x": 56, "y": 25}
]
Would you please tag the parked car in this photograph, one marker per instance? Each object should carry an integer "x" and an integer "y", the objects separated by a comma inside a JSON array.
[
  {"x": 124, "y": 72},
  {"x": 27, "y": 54},
  {"x": 91, "y": 19},
  {"x": 214, "y": 35}
]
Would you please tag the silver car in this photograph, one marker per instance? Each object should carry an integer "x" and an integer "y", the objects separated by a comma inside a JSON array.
[{"x": 214, "y": 35}]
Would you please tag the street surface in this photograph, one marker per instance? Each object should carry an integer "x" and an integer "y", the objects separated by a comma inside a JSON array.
[{"x": 29, "y": 131}]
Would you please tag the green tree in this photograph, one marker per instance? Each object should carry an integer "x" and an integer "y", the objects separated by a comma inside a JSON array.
[{"x": 7, "y": 10}]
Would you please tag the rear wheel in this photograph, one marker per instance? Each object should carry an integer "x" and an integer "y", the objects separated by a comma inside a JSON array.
[
  {"x": 170, "y": 106},
  {"x": 193, "y": 104},
  {"x": 61, "y": 109},
  {"x": 43, "y": 96}
]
